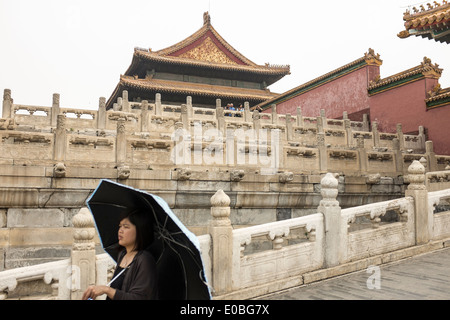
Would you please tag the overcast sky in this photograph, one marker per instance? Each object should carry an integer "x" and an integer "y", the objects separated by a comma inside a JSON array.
[{"x": 79, "y": 48}]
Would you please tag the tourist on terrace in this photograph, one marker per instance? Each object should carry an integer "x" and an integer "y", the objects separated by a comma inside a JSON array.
[{"x": 135, "y": 274}]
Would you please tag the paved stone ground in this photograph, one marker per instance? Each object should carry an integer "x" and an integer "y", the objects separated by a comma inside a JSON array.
[{"x": 423, "y": 277}]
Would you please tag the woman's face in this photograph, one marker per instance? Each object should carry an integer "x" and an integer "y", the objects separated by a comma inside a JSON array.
[{"x": 127, "y": 234}]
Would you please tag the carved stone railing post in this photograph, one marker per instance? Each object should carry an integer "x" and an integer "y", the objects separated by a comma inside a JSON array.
[
  {"x": 289, "y": 129},
  {"x": 398, "y": 155},
  {"x": 418, "y": 191},
  {"x": 125, "y": 102},
  {"x": 323, "y": 152},
  {"x": 220, "y": 117},
  {"x": 400, "y": 136},
  {"x": 274, "y": 114},
  {"x": 121, "y": 143},
  {"x": 422, "y": 137},
  {"x": 256, "y": 118},
  {"x": 375, "y": 134},
  {"x": 144, "y": 116},
  {"x": 60, "y": 138},
  {"x": 365, "y": 121},
  {"x": 430, "y": 156},
  {"x": 331, "y": 211},
  {"x": 158, "y": 107},
  {"x": 190, "y": 109},
  {"x": 185, "y": 117},
  {"x": 101, "y": 118},
  {"x": 7, "y": 104},
  {"x": 362, "y": 153},
  {"x": 348, "y": 132},
  {"x": 247, "y": 113},
  {"x": 221, "y": 233},
  {"x": 83, "y": 253},
  {"x": 55, "y": 109}
]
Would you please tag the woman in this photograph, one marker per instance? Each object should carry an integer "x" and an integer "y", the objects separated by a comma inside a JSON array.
[{"x": 135, "y": 274}]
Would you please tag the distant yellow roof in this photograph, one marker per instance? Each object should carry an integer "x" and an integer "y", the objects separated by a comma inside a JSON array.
[{"x": 431, "y": 22}]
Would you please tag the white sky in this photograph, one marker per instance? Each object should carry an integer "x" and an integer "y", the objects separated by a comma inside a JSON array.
[{"x": 79, "y": 48}]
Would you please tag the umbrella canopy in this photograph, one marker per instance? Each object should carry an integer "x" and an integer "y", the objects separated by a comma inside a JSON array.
[{"x": 176, "y": 250}]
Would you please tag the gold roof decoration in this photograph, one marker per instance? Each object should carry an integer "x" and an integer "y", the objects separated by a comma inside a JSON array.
[
  {"x": 372, "y": 58},
  {"x": 207, "y": 51},
  {"x": 431, "y": 22}
]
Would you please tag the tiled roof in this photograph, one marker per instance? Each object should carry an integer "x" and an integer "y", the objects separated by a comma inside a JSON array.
[
  {"x": 197, "y": 89},
  {"x": 438, "y": 97},
  {"x": 207, "y": 49},
  {"x": 270, "y": 70},
  {"x": 431, "y": 22},
  {"x": 426, "y": 68}
]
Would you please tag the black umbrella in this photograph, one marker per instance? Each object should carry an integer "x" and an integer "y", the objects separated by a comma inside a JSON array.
[{"x": 176, "y": 250}]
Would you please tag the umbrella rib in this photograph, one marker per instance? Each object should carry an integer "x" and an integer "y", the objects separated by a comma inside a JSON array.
[{"x": 108, "y": 204}]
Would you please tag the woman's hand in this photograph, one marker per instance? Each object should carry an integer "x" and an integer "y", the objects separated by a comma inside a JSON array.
[{"x": 92, "y": 292}]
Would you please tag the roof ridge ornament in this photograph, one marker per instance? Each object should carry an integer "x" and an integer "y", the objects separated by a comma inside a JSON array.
[
  {"x": 372, "y": 58},
  {"x": 206, "y": 18}
]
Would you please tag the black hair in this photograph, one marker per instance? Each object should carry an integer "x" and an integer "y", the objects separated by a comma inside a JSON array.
[{"x": 143, "y": 221}]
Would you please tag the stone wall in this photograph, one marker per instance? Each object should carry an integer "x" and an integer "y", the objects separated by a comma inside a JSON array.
[{"x": 52, "y": 158}]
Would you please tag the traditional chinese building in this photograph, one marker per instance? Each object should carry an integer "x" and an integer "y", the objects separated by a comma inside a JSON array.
[
  {"x": 432, "y": 22},
  {"x": 203, "y": 66}
]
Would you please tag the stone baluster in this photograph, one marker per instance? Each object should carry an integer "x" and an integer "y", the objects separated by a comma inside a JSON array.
[
  {"x": 319, "y": 124},
  {"x": 220, "y": 116},
  {"x": 398, "y": 156},
  {"x": 289, "y": 129},
  {"x": 119, "y": 104},
  {"x": 418, "y": 190},
  {"x": 323, "y": 153},
  {"x": 365, "y": 122},
  {"x": 348, "y": 132},
  {"x": 83, "y": 253},
  {"x": 101, "y": 118},
  {"x": 144, "y": 116},
  {"x": 221, "y": 233},
  {"x": 190, "y": 109},
  {"x": 121, "y": 143},
  {"x": 158, "y": 106},
  {"x": 345, "y": 115},
  {"x": 400, "y": 136},
  {"x": 430, "y": 156},
  {"x": 60, "y": 139},
  {"x": 362, "y": 154},
  {"x": 247, "y": 113},
  {"x": 324, "y": 118},
  {"x": 422, "y": 137},
  {"x": 256, "y": 118},
  {"x": 274, "y": 114},
  {"x": 7, "y": 111},
  {"x": 125, "y": 102},
  {"x": 55, "y": 109},
  {"x": 331, "y": 211},
  {"x": 375, "y": 134},
  {"x": 185, "y": 117}
]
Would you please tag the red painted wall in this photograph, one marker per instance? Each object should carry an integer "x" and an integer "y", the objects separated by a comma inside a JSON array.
[
  {"x": 406, "y": 105},
  {"x": 347, "y": 93}
]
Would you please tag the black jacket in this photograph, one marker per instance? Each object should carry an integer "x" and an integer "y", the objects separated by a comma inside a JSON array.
[{"x": 140, "y": 282}]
